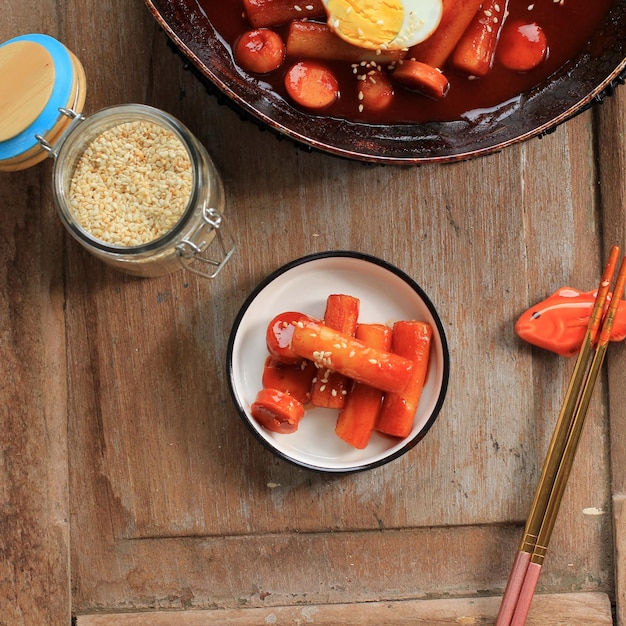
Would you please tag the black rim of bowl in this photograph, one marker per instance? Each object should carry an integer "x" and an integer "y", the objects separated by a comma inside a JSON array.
[
  {"x": 570, "y": 91},
  {"x": 410, "y": 443}
]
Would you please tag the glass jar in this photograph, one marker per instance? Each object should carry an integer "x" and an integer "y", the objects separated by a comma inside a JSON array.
[
  {"x": 155, "y": 157},
  {"x": 190, "y": 243}
]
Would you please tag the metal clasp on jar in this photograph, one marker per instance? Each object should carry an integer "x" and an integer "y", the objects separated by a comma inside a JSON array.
[
  {"x": 74, "y": 119},
  {"x": 212, "y": 231}
]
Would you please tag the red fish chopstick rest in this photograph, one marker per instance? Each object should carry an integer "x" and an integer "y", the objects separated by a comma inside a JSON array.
[{"x": 559, "y": 322}]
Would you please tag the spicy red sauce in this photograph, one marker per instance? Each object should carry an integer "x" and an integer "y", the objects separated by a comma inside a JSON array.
[{"x": 568, "y": 26}]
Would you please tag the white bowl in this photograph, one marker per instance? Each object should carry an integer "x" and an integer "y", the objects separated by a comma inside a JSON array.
[{"x": 386, "y": 294}]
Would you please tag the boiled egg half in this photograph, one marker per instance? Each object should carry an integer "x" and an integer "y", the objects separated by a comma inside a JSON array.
[{"x": 384, "y": 24}]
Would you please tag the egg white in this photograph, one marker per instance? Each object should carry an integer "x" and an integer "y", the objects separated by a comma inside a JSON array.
[{"x": 420, "y": 20}]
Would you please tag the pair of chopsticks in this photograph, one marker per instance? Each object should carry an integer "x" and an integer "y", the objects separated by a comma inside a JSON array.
[{"x": 528, "y": 562}]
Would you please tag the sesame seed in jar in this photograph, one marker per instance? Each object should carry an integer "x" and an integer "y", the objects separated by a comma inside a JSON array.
[{"x": 132, "y": 184}]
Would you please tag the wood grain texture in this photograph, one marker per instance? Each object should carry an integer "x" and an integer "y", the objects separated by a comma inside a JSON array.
[
  {"x": 589, "y": 609},
  {"x": 173, "y": 505},
  {"x": 612, "y": 151},
  {"x": 34, "y": 506},
  {"x": 619, "y": 520}
]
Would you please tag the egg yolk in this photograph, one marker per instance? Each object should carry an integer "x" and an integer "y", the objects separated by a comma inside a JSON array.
[{"x": 366, "y": 23}]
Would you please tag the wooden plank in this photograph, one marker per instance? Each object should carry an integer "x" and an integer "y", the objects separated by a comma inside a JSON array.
[
  {"x": 172, "y": 498},
  {"x": 619, "y": 519},
  {"x": 611, "y": 117},
  {"x": 150, "y": 533},
  {"x": 589, "y": 609},
  {"x": 34, "y": 503}
]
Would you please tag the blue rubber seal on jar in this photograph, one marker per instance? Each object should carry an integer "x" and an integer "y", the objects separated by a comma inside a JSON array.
[{"x": 59, "y": 98}]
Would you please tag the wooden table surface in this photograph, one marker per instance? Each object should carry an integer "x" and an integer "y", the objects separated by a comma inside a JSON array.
[{"x": 129, "y": 487}]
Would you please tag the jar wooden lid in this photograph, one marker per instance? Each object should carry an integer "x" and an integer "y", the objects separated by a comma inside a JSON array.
[{"x": 38, "y": 77}]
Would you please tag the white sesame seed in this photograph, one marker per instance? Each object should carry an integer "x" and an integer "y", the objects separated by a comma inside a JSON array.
[{"x": 131, "y": 184}]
